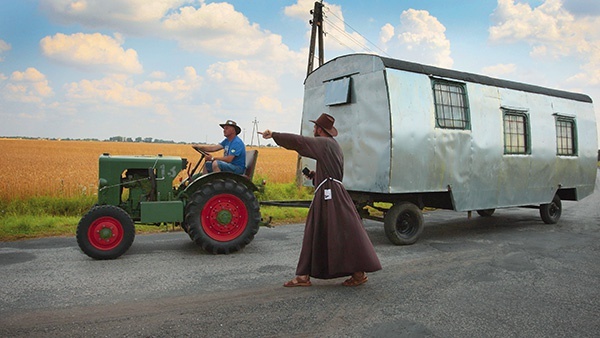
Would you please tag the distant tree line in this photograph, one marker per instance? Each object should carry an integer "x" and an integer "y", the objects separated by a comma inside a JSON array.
[
  {"x": 140, "y": 140},
  {"x": 111, "y": 139},
  {"x": 128, "y": 139}
]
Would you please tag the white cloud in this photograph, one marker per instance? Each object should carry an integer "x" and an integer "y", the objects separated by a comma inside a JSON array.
[
  {"x": 221, "y": 31},
  {"x": 27, "y": 86},
  {"x": 4, "y": 46},
  {"x": 267, "y": 103},
  {"x": 552, "y": 32},
  {"x": 386, "y": 34},
  {"x": 542, "y": 25},
  {"x": 157, "y": 75},
  {"x": 591, "y": 75},
  {"x": 91, "y": 51},
  {"x": 179, "y": 88},
  {"x": 300, "y": 10},
  {"x": 499, "y": 70},
  {"x": 216, "y": 28},
  {"x": 419, "y": 37},
  {"x": 242, "y": 77},
  {"x": 132, "y": 16},
  {"x": 117, "y": 89}
]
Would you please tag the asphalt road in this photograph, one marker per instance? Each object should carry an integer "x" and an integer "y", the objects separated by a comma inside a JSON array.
[{"x": 510, "y": 275}]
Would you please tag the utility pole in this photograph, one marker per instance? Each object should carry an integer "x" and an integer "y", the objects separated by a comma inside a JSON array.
[
  {"x": 255, "y": 131},
  {"x": 317, "y": 28}
]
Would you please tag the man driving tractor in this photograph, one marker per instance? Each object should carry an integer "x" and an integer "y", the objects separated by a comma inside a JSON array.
[{"x": 234, "y": 154}]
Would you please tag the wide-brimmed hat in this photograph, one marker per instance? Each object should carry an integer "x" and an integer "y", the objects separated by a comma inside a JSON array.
[
  {"x": 232, "y": 123},
  {"x": 326, "y": 121}
]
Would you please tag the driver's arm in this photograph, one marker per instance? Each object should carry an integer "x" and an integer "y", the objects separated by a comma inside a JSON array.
[
  {"x": 227, "y": 158},
  {"x": 208, "y": 147}
]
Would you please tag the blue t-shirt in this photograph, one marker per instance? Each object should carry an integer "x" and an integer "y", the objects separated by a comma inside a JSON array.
[{"x": 236, "y": 148}]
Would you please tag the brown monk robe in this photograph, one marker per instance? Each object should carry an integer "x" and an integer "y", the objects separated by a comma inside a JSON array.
[{"x": 335, "y": 242}]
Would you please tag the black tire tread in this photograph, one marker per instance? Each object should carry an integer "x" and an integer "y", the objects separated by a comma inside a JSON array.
[
  {"x": 99, "y": 211},
  {"x": 551, "y": 212},
  {"x": 390, "y": 220},
  {"x": 196, "y": 203},
  {"x": 486, "y": 212}
]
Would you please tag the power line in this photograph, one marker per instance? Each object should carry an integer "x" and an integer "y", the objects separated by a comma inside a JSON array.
[
  {"x": 343, "y": 44},
  {"x": 349, "y": 36}
]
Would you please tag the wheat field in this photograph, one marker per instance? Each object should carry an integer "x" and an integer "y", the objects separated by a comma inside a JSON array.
[{"x": 30, "y": 168}]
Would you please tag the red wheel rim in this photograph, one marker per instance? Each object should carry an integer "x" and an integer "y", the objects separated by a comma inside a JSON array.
[
  {"x": 224, "y": 217},
  {"x": 105, "y": 233}
]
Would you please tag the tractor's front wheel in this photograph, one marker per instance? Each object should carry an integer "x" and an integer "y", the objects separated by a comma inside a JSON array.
[
  {"x": 222, "y": 216},
  {"x": 105, "y": 232}
]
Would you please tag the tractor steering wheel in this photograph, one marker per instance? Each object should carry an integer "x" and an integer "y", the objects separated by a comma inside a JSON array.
[{"x": 203, "y": 154}]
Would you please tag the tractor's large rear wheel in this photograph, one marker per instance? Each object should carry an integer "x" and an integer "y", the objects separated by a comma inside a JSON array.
[
  {"x": 222, "y": 216},
  {"x": 105, "y": 232}
]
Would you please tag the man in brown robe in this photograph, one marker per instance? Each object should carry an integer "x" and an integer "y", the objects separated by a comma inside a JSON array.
[{"x": 335, "y": 242}]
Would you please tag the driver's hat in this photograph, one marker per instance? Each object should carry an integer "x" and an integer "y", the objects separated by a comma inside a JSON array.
[{"x": 232, "y": 123}]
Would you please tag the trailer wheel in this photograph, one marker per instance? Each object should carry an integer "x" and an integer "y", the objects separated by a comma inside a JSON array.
[
  {"x": 551, "y": 212},
  {"x": 105, "y": 232},
  {"x": 222, "y": 216},
  {"x": 486, "y": 212},
  {"x": 403, "y": 223}
]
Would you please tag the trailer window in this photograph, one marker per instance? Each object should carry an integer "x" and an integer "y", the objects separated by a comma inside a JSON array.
[
  {"x": 451, "y": 105},
  {"x": 565, "y": 136},
  {"x": 337, "y": 91},
  {"x": 516, "y": 133}
]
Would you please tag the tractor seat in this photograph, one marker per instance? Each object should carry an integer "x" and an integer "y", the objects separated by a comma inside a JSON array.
[{"x": 251, "y": 157}]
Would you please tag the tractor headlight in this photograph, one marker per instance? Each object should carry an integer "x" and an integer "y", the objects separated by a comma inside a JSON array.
[{"x": 103, "y": 182}]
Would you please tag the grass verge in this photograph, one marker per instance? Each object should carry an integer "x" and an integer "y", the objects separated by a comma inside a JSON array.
[{"x": 45, "y": 216}]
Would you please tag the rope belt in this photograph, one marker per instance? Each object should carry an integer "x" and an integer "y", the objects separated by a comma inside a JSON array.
[{"x": 328, "y": 179}]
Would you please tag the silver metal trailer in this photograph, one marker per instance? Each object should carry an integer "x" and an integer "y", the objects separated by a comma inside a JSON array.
[{"x": 417, "y": 136}]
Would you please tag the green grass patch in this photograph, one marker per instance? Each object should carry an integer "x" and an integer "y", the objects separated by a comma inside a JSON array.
[
  {"x": 45, "y": 216},
  {"x": 283, "y": 215},
  {"x": 15, "y": 227},
  {"x": 47, "y": 206},
  {"x": 284, "y": 191}
]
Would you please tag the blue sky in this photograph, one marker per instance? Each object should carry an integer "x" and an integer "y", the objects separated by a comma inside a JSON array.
[{"x": 175, "y": 69}]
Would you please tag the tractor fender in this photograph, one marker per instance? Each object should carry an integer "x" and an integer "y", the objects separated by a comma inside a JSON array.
[{"x": 222, "y": 175}]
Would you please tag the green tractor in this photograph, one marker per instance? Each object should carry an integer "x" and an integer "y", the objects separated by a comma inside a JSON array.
[{"x": 219, "y": 210}]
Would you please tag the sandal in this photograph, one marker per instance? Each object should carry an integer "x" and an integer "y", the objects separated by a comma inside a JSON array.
[
  {"x": 298, "y": 281},
  {"x": 356, "y": 281}
]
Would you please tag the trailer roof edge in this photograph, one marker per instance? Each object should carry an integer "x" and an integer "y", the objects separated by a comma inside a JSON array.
[
  {"x": 474, "y": 78},
  {"x": 481, "y": 79}
]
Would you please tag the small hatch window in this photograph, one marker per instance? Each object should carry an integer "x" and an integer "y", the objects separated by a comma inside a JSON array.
[{"x": 337, "y": 92}]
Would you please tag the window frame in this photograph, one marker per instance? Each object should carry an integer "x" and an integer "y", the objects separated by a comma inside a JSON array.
[
  {"x": 526, "y": 144},
  {"x": 337, "y": 91},
  {"x": 446, "y": 112},
  {"x": 573, "y": 137}
]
